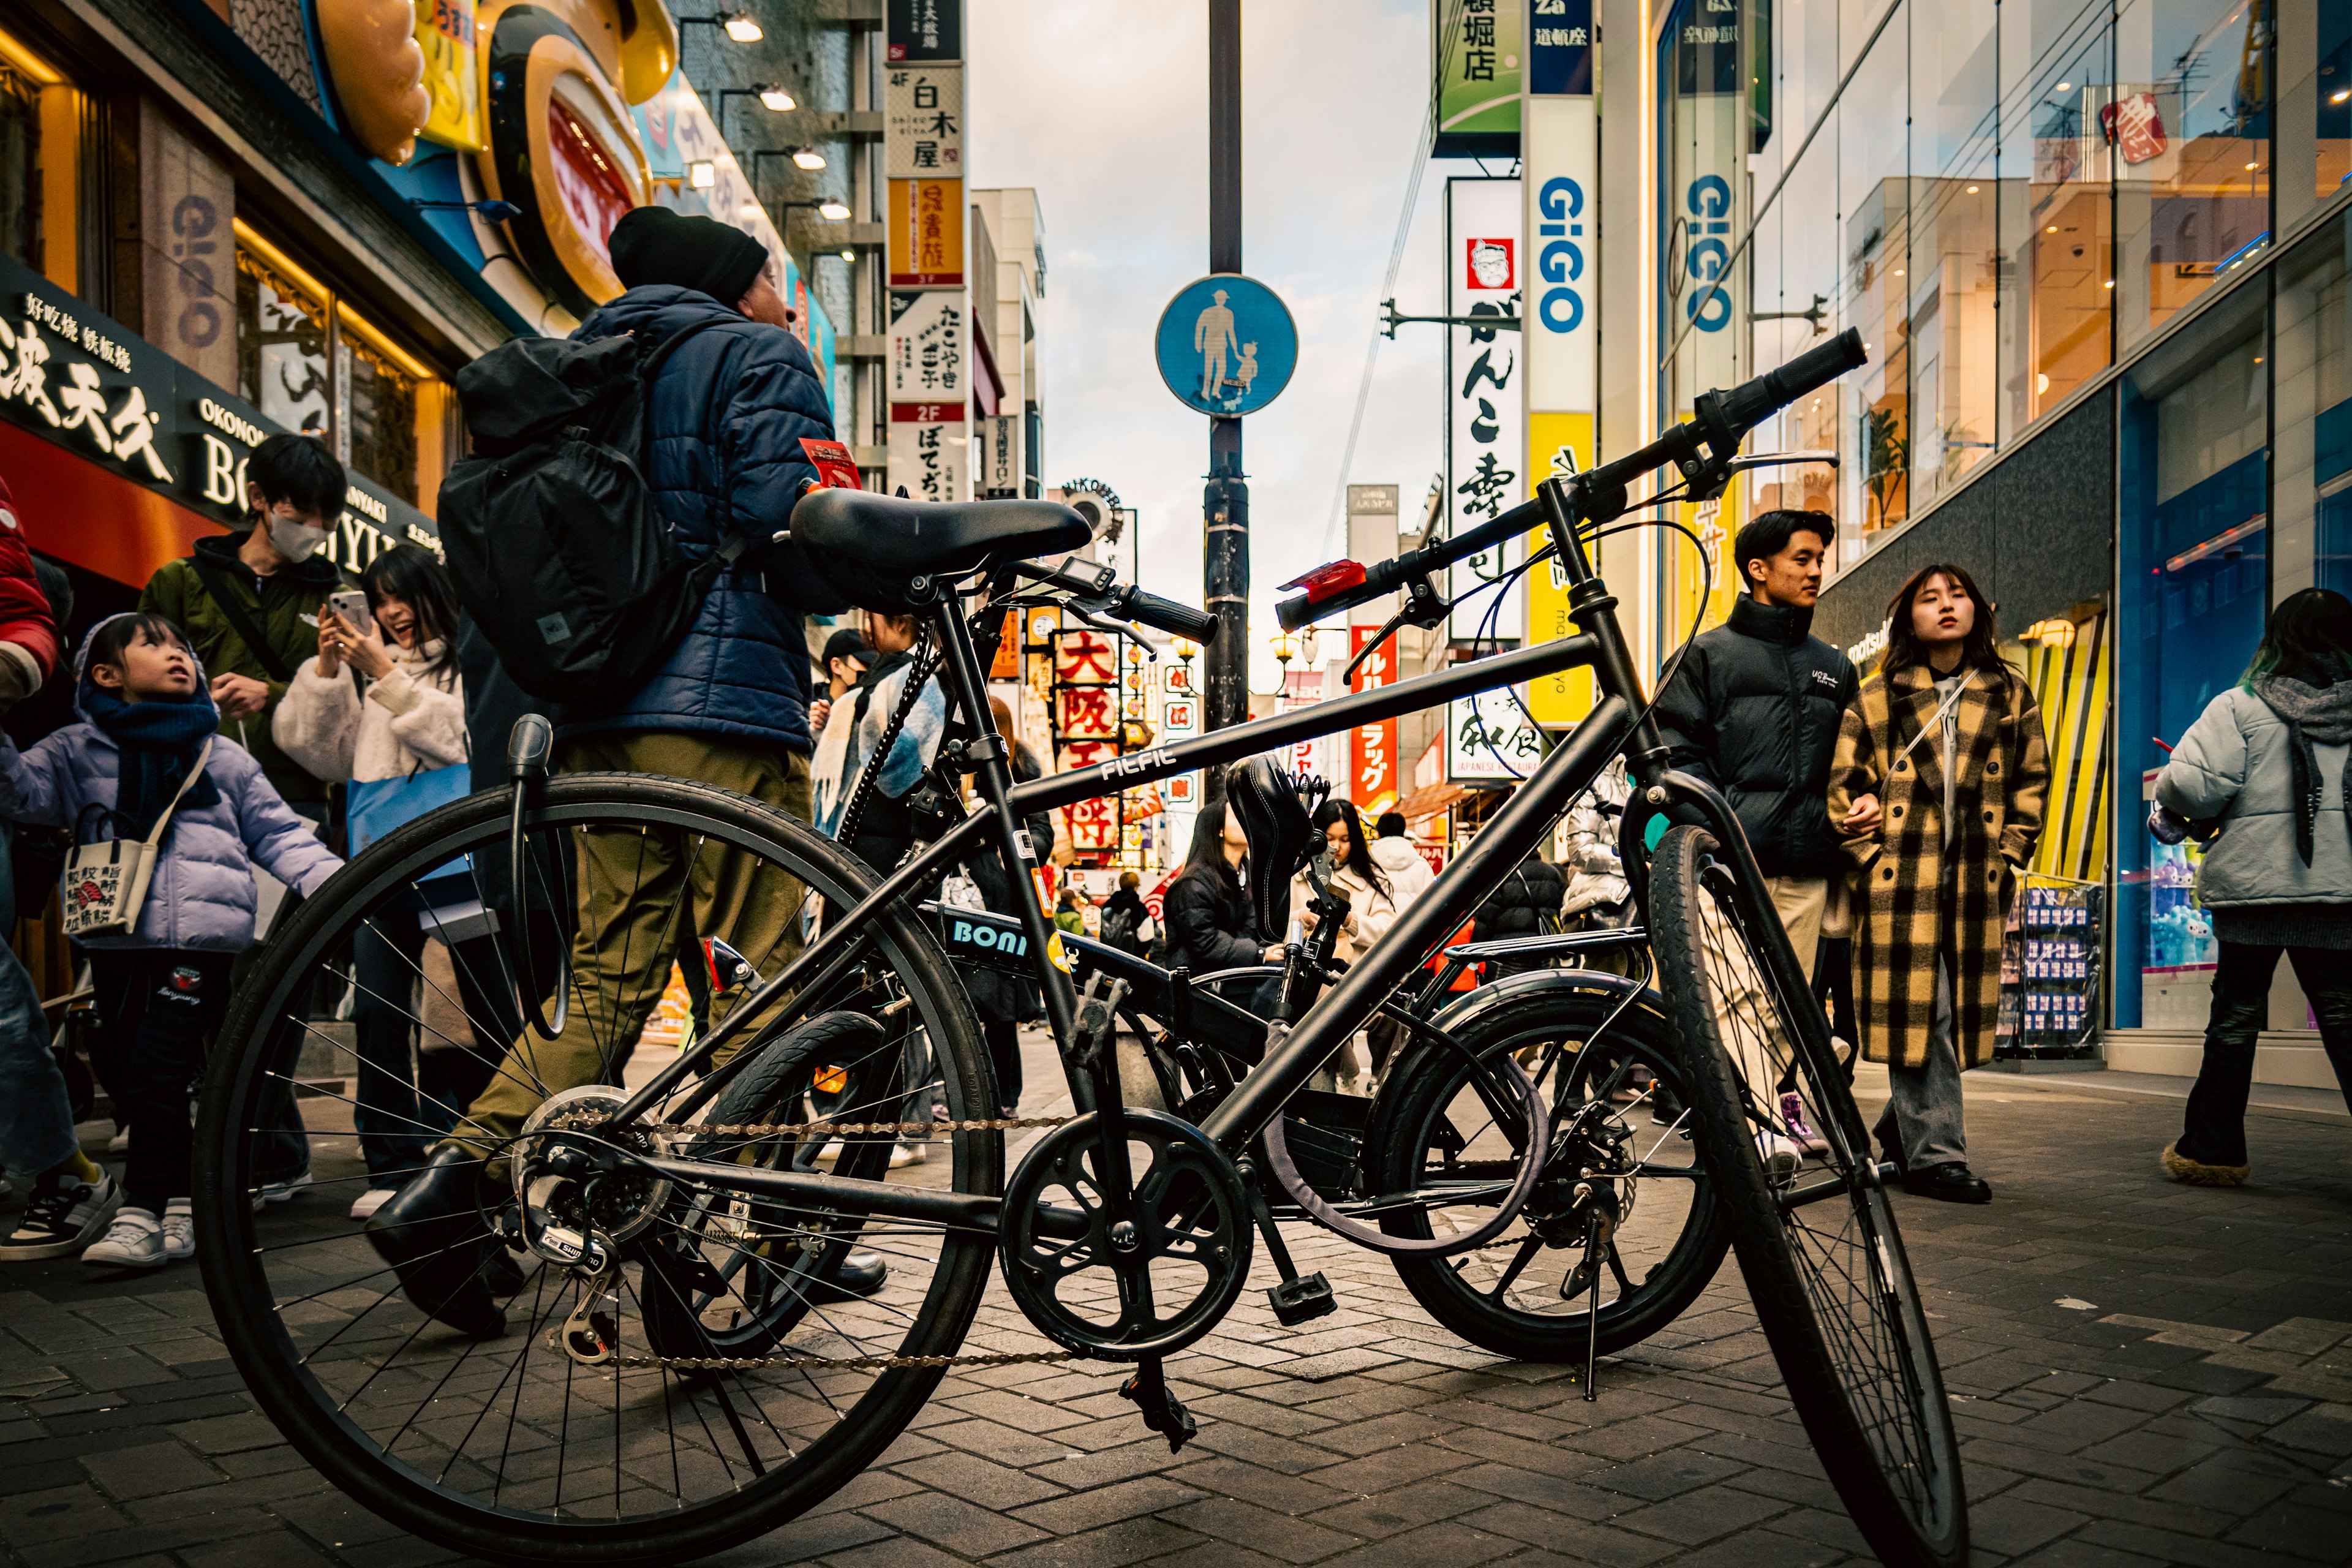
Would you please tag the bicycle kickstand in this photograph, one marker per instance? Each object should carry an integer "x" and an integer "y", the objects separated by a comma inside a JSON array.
[{"x": 1162, "y": 1410}]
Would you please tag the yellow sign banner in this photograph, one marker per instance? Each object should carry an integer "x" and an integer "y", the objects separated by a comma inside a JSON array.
[
  {"x": 445, "y": 31},
  {"x": 1557, "y": 443}
]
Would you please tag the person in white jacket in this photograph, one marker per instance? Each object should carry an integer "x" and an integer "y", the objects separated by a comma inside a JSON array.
[{"x": 383, "y": 702}]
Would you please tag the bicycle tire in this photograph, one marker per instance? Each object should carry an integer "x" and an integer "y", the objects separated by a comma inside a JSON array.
[
  {"x": 234, "y": 1259},
  {"x": 1834, "y": 1293},
  {"x": 1532, "y": 1011}
]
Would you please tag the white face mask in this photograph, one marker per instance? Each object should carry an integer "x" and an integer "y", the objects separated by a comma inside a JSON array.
[{"x": 295, "y": 540}]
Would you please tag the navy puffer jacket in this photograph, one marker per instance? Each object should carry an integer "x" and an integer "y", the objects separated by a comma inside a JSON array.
[{"x": 723, "y": 455}]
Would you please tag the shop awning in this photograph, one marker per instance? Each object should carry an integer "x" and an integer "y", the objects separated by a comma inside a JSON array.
[{"x": 1429, "y": 800}]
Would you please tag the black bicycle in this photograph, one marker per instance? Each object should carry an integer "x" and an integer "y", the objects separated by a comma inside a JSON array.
[
  {"x": 634, "y": 1335},
  {"x": 1598, "y": 1047}
]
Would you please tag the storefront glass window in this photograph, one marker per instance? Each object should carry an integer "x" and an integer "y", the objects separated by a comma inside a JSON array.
[
  {"x": 2056, "y": 271},
  {"x": 309, "y": 362},
  {"x": 2325, "y": 94},
  {"x": 2312, "y": 495},
  {"x": 1876, "y": 280},
  {"x": 379, "y": 430},
  {"x": 2191, "y": 125},
  {"x": 281, "y": 349},
  {"x": 2194, "y": 529},
  {"x": 1950, "y": 297},
  {"x": 20, "y": 166}
]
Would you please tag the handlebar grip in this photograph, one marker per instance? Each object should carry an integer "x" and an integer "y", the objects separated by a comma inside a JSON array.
[
  {"x": 1750, "y": 404},
  {"x": 1168, "y": 616}
]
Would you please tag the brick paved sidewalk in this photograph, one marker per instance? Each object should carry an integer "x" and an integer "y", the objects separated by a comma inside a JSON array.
[{"x": 2142, "y": 1374}]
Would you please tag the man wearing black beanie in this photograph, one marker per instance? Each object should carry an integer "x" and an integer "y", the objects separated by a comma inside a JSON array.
[{"x": 724, "y": 456}]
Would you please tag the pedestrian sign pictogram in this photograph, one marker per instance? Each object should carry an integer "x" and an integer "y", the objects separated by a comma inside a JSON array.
[{"x": 1226, "y": 344}]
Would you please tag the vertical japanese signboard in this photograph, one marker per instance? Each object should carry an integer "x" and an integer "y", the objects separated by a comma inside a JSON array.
[
  {"x": 1087, "y": 730},
  {"x": 1561, "y": 340},
  {"x": 1476, "y": 46},
  {"x": 923, "y": 121},
  {"x": 929, "y": 381},
  {"x": 1372, "y": 748},
  {"x": 1484, "y": 447},
  {"x": 923, "y": 139}
]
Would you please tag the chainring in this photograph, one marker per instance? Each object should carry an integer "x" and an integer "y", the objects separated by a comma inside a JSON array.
[{"x": 1188, "y": 1238}]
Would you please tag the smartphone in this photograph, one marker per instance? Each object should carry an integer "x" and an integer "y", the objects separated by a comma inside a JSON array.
[{"x": 352, "y": 603}]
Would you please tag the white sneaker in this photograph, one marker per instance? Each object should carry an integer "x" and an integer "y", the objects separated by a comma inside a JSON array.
[
  {"x": 903, "y": 1154},
  {"x": 62, "y": 1218},
  {"x": 374, "y": 1199},
  {"x": 120, "y": 1142},
  {"x": 1781, "y": 1155},
  {"x": 135, "y": 1240},
  {"x": 179, "y": 1229},
  {"x": 279, "y": 1192}
]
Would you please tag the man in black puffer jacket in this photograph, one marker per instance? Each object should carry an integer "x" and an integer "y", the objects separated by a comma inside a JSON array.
[{"x": 1755, "y": 709}]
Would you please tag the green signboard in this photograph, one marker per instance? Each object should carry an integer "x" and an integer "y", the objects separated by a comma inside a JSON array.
[{"x": 1476, "y": 46}]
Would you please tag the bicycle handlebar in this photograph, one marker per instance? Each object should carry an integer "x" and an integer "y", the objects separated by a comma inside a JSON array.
[
  {"x": 1096, "y": 586},
  {"x": 1722, "y": 421}
]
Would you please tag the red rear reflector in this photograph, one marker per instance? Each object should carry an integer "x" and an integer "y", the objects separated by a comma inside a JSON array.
[{"x": 1325, "y": 581}]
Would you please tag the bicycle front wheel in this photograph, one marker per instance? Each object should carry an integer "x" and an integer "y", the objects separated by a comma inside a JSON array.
[
  {"x": 1810, "y": 1218},
  {"x": 700, "y": 1368},
  {"x": 1625, "y": 1219}
]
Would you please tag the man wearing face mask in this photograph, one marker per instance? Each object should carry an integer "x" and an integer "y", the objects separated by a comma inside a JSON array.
[{"x": 249, "y": 602}]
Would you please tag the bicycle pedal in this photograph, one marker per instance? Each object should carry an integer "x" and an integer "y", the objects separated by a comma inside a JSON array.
[{"x": 1302, "y": 1300}]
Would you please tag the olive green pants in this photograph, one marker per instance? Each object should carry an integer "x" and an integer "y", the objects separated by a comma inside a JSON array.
[{"x": 646, "y": 898}]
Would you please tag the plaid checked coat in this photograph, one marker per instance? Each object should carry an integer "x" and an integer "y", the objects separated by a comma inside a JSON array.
[{"x": 1912, "y": 897}]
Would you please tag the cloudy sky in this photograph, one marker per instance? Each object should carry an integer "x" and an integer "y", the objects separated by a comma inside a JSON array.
[{"x": 1102, "y": 107}]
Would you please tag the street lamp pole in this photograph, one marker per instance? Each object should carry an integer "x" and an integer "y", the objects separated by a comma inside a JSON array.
[{"x": 1225, "y": 499}]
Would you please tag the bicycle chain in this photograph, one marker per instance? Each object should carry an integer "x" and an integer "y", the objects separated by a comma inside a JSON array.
[
  {"x": 824, "y": 1363},
  {"x": 831, "y": 1128}
]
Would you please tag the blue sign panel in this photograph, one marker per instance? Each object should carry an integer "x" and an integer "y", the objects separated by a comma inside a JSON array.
[
  {"x": 1559, "y": 48},
  {"x": 1226, "y": 345}
]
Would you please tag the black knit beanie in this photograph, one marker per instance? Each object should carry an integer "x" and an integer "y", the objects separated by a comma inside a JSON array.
[{"x": 655, "y": 245}]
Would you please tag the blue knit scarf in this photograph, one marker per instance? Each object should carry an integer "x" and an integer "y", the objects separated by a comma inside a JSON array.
[{"x": 159, "y": 741}]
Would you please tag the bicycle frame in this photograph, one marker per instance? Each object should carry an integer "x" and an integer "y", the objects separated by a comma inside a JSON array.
[{"x": 1619, "y": 723}]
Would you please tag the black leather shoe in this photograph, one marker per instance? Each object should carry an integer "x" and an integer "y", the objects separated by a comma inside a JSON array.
[
  {"x": 434, "y": 1237},
  {"x": 1954, "y": 1184},
  {"x": 859, "y": 1274}
]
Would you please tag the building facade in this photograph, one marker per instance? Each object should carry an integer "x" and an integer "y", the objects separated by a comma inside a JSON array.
[{"x": 2099, "y": 255}]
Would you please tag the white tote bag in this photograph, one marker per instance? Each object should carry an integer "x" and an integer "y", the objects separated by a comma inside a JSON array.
[{"x": 105, "y": 884}]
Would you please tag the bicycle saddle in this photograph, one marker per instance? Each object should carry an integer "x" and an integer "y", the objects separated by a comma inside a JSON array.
[
  {"x": 1275, "y": 820},
  {"x": 866, "y": 545}
]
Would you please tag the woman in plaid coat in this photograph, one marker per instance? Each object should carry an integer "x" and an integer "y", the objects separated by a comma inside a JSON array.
[{"x": 1937, "y": 783}]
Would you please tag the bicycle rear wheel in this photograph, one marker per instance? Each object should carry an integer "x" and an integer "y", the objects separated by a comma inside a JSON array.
[
  {"x": 1817, "y": 1243},
  {"x": 525, "y": 1446}
]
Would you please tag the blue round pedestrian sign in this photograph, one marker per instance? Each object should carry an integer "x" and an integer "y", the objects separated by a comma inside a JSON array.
[{"x": 1226, "y": 344}]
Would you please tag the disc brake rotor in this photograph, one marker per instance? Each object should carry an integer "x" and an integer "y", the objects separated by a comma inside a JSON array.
[{"x": 1124, "y": 1287}]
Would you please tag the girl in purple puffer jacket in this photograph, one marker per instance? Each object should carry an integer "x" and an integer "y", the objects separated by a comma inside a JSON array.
[{"x": 147, "y": 717}]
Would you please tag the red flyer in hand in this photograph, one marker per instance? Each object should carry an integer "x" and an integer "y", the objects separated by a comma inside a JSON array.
[{"x": 836, "y": 468}]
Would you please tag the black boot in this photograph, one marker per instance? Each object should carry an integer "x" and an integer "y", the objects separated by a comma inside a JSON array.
[
  {"x": 434, "y": 1237},
  {"x": 858, "y": 1274},
  {"x": 1954, "y": 1184}
]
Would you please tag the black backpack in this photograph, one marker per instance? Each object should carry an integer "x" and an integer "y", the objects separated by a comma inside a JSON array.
[
  {"x": 1118, "y": 929},
  {"x": 553, "y": 541}
]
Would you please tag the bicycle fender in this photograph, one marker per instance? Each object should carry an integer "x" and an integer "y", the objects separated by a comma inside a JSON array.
[{"x": 1475, "y": 1006}]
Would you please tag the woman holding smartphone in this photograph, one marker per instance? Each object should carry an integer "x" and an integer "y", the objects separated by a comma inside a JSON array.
[{"x": 384, "y": 707}]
